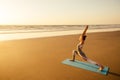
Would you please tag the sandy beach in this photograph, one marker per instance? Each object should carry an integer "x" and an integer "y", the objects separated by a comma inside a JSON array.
[{"x": 40, "y": 58}]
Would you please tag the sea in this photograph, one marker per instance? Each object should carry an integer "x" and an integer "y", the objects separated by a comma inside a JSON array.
[{"x": 15, "y": 32}]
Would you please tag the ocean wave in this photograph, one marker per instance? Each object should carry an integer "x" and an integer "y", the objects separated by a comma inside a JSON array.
[{"x": 7, "y": 29}]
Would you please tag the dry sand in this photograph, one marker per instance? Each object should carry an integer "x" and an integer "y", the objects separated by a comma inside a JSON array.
[{"x": 40, "y": 59}]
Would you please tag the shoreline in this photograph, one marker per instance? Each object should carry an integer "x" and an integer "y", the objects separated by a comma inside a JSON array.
[
  {"x": 29, "y": 35},
  {"x": 44, "y": 31}
]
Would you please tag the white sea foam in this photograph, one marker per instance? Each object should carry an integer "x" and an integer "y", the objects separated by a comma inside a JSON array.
[{"x": 38, "y": 34}]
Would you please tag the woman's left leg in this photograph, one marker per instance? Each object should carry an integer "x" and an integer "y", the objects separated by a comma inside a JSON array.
[{"x": 93, "y": 62}]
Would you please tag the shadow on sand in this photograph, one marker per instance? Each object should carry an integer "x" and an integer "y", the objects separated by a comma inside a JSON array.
[{"x": 114, "y": 74}]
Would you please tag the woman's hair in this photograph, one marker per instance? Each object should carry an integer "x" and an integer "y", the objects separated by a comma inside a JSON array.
[{"x": 84, "y": 37}]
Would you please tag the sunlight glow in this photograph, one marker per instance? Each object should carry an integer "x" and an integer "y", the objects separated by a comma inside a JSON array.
[
  {"x": 59, "y": 12},
  {"x": 4, "y": 17}
]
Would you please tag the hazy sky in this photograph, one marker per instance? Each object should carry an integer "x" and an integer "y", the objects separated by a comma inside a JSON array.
[{"x": 59, "y": 12}]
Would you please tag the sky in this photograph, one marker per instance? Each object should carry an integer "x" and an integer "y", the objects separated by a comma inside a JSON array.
[{"x": 59, "y": 12}]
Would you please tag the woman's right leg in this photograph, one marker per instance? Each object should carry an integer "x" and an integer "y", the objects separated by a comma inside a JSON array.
[{"x": 73, "y": 55}]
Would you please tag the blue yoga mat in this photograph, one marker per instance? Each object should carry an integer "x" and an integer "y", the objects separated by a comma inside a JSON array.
[{"x": 87, "y": 66}]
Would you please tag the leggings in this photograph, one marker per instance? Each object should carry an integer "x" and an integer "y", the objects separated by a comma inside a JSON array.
[{"x": 82, "y": 54}]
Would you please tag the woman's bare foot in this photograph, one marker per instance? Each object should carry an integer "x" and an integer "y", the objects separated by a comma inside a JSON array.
[
  {"x": 72, "y": 60},
  {"x": 101, "y": 68}
]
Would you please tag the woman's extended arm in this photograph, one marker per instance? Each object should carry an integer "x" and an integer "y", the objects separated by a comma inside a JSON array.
[
  {"x": 83, "y": 34},
  {"x": 85, "y": 30}
]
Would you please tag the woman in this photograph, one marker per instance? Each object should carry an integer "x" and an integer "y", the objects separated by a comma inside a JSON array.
[{"x": 80, "y": 53}]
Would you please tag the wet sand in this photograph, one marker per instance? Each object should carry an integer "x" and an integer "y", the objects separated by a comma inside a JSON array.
[{"x": 40, "y": 58}]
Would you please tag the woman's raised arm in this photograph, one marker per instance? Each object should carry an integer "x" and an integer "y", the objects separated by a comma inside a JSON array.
[{"x": 85, "y": 30}]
